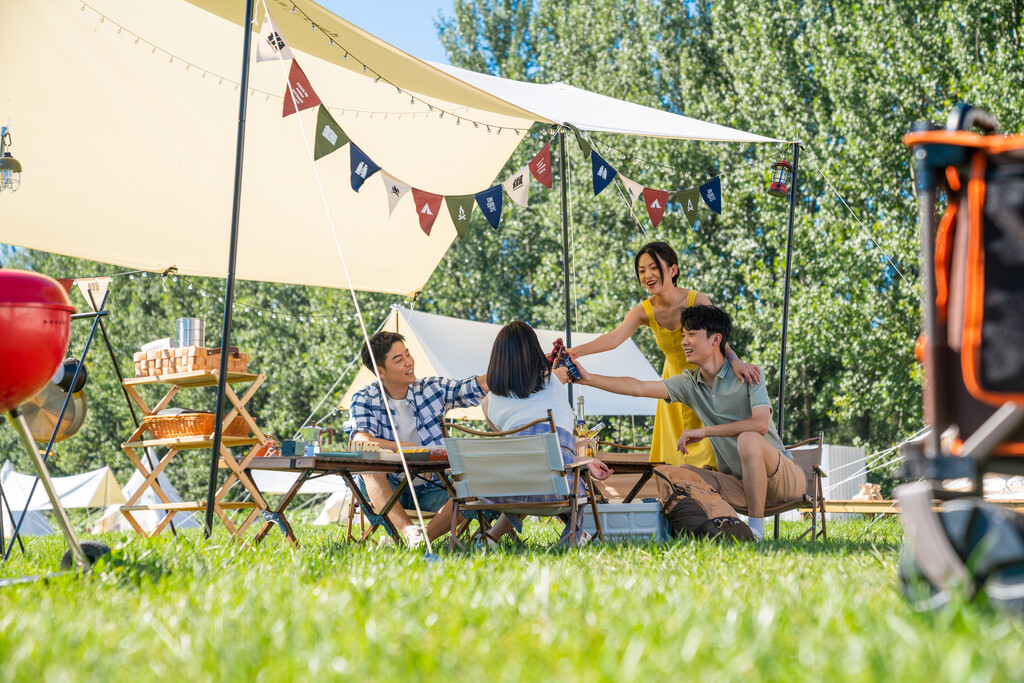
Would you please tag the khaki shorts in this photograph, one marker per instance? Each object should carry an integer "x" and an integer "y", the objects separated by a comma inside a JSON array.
[{"x": 786, "y": 484}]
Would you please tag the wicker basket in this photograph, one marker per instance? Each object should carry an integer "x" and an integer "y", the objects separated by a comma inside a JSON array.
[{"x": 190, "y": 424}]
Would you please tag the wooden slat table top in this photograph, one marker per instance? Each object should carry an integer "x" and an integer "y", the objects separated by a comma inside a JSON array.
[{"x": 332, "y": 463}]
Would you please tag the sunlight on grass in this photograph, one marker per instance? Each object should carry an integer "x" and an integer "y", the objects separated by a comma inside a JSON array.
[{"x": 189, "y": 609}]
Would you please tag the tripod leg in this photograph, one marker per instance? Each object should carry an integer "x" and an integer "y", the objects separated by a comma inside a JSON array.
[{"x": 44, "y": 476}]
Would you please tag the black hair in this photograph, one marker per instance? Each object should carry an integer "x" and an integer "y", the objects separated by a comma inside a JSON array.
[
  {"x": 659, "y": 251},
  {"x": 377, "y": 351},
  {"x": 518, "y": 366},
  {"x": 711, "y": 319}
]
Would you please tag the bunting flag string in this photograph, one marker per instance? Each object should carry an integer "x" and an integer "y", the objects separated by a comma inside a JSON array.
[{"x": 330, "y": 137}]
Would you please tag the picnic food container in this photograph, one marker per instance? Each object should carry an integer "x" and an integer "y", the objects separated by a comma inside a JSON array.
[
  {"x": 190, "y": 332},
  {"x": 35, "y": 317},
  {"x": 157, "y": 362},
  {"x": 190, "y": 424}
]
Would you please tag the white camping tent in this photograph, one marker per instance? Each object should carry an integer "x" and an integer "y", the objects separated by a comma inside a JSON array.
[
  {"x": 125, "y": 119},
  {"x": 113, "y": 520},
  {"x": 457, "y": 348},
  {"x": 95, "y": 489},
  {"x": 34, "y": 524}
]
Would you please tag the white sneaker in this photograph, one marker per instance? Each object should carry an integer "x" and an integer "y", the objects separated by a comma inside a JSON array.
[
  {"x": 415, "y": 536},
  {"x": 584, "y": 538}
]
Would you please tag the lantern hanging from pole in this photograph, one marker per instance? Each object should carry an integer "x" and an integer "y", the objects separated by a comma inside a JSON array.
[
  {"x": 782, "y": 174},
  {"x": 10, "y": 169}
]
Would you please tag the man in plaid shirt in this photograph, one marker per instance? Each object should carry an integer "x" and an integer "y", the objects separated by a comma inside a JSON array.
[{"x": 418, "y": 407}]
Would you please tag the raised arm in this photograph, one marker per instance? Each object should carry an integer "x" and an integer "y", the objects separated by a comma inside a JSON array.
[
  {"x": 627, "y": 386},
  {"x": 611, "y": 340},
  {"x": 748, "y": 373}
]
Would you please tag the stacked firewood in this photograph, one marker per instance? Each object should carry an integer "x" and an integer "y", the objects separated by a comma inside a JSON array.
[{"x": 158, "y": 362}]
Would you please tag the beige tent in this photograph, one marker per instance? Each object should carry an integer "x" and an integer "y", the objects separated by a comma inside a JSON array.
[
  {"x": 124, "y": 117},
  {"x": 457, "y": 348}
]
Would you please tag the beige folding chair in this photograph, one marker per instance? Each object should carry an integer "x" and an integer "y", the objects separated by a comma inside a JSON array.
[
  {"x": 496, "y": 474},
  {"x": 806, "y": 454}
]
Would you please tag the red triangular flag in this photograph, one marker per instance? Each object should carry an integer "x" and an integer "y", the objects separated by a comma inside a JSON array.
[
  {"x": 655, "y": 201},
  {"x": 428, "y": 205},
  {"x": 540, "y": 166},
  {"x": 299, "y": 94},
  {"x": 66, "y": 283}
]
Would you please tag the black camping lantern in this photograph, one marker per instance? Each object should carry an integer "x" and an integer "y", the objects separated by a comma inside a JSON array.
[{"x": 782, "y": 174}]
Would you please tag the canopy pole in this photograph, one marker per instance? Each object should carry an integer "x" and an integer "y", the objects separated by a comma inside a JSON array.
[
  {"x": 565, "y": 243},
  {"x": 785, "y": 296},
  {"x": 229, "y": 289}
]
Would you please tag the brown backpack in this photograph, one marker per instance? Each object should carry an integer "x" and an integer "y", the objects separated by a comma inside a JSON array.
[{"x": 692, "y": 506}]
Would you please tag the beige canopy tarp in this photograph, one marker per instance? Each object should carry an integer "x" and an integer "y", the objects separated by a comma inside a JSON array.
[{"x": 124, "y": 116}]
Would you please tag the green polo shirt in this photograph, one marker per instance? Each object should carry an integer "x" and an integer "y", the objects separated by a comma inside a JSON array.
[{"x": 728, "y": 400}]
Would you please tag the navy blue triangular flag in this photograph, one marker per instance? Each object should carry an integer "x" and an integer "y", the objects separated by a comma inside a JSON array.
[
  {"x": 603, "y": 172},
  {"x": 711, "y": 193},
  {"x": 490, "y": 203},
  {"x": 362, "y": 167}
]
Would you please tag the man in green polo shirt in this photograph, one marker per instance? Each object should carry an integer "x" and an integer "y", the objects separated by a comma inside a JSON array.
[{"x": 754, "y": 467}]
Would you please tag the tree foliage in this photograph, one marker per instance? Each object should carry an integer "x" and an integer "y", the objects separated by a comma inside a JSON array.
[{"x": 845, "y": 79}]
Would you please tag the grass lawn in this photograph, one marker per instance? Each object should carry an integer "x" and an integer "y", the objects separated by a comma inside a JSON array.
[{"x": 185, "y": 609}]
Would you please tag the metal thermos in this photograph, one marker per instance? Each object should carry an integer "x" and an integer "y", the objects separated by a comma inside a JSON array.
[{"x": 190, "y": 332}]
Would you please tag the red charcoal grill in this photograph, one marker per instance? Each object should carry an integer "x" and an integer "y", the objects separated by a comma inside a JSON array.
[{"x": 35, "y": 323}]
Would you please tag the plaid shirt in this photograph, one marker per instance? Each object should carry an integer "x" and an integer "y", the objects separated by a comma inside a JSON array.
[{"x": 431, "y": 397}]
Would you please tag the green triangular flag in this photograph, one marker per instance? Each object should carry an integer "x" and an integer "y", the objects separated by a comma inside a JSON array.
[
  {"x": 584, "y": 144},
  {"x": 329, "y": 135},
  {"x": 689, "y": 199},
  {"x": 461, "y": 207}
]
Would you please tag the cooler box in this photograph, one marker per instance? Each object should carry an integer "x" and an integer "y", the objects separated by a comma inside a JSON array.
[{"x": 620, "y": 521}]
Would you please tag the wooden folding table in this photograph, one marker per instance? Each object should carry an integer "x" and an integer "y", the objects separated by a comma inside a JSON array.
[{"x": 255, "y": 439}]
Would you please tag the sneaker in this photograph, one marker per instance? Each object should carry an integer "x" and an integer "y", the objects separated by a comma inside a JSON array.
[
  {"x": 485, "y": 539},
  {"x": 415, "y": 536}
]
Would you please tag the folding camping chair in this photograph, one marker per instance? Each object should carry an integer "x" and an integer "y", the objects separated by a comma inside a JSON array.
[
  {"x": 500, "y": 474},
  {"x": 806, "y": 454},
  {"x": 973, "y": 355}
]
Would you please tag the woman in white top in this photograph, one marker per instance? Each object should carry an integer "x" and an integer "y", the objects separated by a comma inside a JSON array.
[{"x": 522, "y": 388}]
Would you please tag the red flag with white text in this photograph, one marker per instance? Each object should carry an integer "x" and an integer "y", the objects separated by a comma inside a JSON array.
[{"x": 299, "y": 95}]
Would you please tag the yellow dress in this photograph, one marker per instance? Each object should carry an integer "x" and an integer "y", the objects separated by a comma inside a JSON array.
[{"x": 670, "y": 419}]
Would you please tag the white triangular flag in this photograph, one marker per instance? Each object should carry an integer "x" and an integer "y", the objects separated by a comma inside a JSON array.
[
  {"x": 396, "y": 190},
  {"x": 271, "y": 42},
  {"x": 94, "y": 289},
  {"x": 517, "y": 187},
  {"x": 633, "y": 189}
]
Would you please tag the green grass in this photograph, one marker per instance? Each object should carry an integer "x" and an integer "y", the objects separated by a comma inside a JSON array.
[{"x": 185, "y": 609}]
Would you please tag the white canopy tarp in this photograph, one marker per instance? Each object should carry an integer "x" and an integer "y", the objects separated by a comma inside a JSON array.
[
  {"x": 335, "y": 509},
  {"x": 113, "y": 520},
  {"x": 95, "y": 489},
  {"x": 124, "y": 115},
  {"x": 457, "y": 348}
]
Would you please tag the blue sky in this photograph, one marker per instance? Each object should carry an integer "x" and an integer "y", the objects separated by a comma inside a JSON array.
[{"x": 406, "y": 24}]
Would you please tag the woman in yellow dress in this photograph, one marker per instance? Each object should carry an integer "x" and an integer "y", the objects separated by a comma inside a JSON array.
[{"x": 657, "y": 269}]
